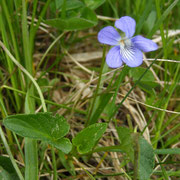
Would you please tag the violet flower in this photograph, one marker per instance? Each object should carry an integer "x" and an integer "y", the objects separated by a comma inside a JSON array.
[{"x": 127, "y": 49}]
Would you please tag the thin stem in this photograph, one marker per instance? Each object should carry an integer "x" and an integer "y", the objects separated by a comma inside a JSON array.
[
  {"x": 54, "y": 163},
  {"x": 19, "y": 146},
  {"x": 136, "y": 156},
  {"x": 97, "y": 88},
  {"x": 31, "y": 162}
]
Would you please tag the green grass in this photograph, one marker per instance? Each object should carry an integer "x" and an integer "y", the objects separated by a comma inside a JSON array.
[{"x": 40, "y": 71}]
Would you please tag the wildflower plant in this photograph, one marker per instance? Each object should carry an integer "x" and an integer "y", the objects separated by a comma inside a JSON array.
[
  {"x": 126, "y": 48},
  {"x": 38, "y": 142}
]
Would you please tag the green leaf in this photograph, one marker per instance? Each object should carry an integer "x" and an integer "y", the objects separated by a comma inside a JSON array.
[
  {"x": 89, "y": 14},
  {"x": 88, "y": 19},
  {"x": 62, "y": 144},
  {"x": 41, "y": 126},
  {"x": 7, "y": 170},
  {"x": 149, "y": 23},
  {"x": 88, "y": 137},
  {"x": 146, "y": 159},
  {"x": 135, "y": 73},
  {"x": 94, "y": 4},
  {"x": 147, "y": 86},
  {"x": 70, "y": 5},
  {"x": 143, "y": 17},
  {"x": 126, "y": 141},
  {"x": 70, "y": 24},
  {"x": 147, "y": 83},
  {"x": 4, "y": 175}
]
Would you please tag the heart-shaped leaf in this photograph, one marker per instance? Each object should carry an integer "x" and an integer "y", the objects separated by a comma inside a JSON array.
[
  {"x": 62, "y": 144},
  {"x": 146, "y": 159},
  {"x": 41, "y": 126},
  {"x": 135, "y": 73},
  {"x": 87, "y": 138}
]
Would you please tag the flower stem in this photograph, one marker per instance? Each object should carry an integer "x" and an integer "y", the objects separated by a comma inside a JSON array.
[{"x": 89, "y": 120}]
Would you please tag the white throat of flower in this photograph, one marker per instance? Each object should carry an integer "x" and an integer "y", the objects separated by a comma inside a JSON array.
[{"x": 126, "y": 48}]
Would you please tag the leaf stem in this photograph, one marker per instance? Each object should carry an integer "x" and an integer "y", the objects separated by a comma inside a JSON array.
[{"x": 54, "y": 163}]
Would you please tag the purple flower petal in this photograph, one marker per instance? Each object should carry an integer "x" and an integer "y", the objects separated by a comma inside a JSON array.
[
  {"x": 113, "y": 58},
  {"x": 132, "y": 56},
  {"x": 127, "y": 25},
  {"x": 144, "y": 44},
  {"x": 109, "y": 35}
]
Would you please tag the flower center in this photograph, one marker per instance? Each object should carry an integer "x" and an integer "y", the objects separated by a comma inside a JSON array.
[
  {"x": 125, "y": 43},
  {"x": 122, "y": 42}
]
